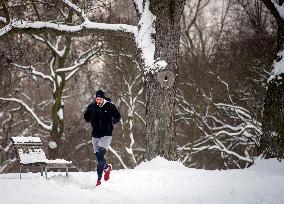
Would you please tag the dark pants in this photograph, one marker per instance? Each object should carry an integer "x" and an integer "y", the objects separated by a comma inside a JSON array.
[{"x": 101, "y": 162}]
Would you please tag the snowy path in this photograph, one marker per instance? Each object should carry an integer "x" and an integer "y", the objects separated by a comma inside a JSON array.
[{"x": 157, "y": 181}]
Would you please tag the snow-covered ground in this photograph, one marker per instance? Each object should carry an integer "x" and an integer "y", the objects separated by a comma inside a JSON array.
[{"x": 154, "y": 182}]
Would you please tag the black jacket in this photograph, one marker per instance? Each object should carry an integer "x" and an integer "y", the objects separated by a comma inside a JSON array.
[{"x": 102, "y": 118}]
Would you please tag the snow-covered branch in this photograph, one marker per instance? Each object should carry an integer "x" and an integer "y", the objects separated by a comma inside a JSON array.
[
  {"x": 32, "y": 71},
  {"x": 42, "y": 124},
  {"x": 76, "y": 9},
  {"x": 64, "y": 29},
  {"x": 54, "y": 49},
  {"x": 230, "y": 138},
  {"x": 7, "y": 164},
  {"x": 51, "y": 67},
  {"x": 144, "y": 38},
  {"x": 221, "y": 148},
  {"x": 143, "y": 33},
  {"x": 185, "y": 110},
  {"x": 139, "y": 6},
  {"x": 227, "y": 130},
  {"x": 87, "y": 55},
  {"x": 140, "y": 117},
  {"x": 83, "y": 59},
  {"x": 118, "y": 157},
  {"x": 129, "y": 100},
  {"x": 3, "y": 20}
]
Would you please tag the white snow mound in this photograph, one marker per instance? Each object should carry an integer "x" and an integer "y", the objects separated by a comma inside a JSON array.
[
  {"x": 158, "y": 181},
  {"x": 268, "y": 166},
  {"x": 160, "y": 163}
]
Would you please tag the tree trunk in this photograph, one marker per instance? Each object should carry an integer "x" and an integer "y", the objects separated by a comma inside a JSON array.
[
  {"x": 272, "y": 141},
  {"x": 57, "y": 121},
  {"x": 161, "y": 87},
  {"x": 57, "y": 131},
  {"x": 57, "y": 118}
]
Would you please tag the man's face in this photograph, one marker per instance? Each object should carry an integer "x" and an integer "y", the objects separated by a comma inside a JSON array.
[{"x": 99, "y": 101}]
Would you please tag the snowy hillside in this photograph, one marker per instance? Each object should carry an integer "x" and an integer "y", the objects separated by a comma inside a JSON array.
[{"x": 157, "y": 182}]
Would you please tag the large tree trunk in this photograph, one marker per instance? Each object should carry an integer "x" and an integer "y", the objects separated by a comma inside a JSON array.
[
  {"x": 272, "y": 141},
  {"x": 161, "y": 87}
]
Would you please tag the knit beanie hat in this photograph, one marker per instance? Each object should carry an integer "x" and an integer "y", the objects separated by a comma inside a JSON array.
[{"x": 100, "y": 93}]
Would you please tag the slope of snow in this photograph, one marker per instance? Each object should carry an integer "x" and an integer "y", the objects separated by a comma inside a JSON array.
[{"x": 156, "y": 181}]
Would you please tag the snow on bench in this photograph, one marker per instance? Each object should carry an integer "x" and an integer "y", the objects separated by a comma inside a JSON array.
[
  {"x": 29, "y": 152},
  {"x": 20, "y": 140}
]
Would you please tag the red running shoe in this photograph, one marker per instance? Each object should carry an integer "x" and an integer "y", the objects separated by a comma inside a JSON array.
[
  {"x": 98, "y": 182},
  {"x": 107, "y": 172}
]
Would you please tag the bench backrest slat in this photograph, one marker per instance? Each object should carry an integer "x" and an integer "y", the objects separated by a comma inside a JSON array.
[
  {"x": 21, "y": 140},
  {"x": 29, "y": 150}
]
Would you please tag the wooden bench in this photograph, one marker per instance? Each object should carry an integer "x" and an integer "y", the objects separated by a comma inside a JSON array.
[{"x": 29, "y": 152}]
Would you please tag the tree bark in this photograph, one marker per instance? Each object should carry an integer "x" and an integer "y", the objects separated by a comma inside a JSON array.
[
  {"x": 272, "y": 141},
  {"x": 161, "y": 87},
  {"x": 57, "y": 107},
  {"x": 57, "y": 131}
]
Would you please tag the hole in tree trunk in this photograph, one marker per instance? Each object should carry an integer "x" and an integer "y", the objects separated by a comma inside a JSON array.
[{"x": 166, "y": 78}]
